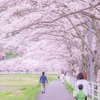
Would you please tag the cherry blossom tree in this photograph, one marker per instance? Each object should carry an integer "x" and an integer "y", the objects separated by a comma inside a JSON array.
[{"x": 53, "y": 34}]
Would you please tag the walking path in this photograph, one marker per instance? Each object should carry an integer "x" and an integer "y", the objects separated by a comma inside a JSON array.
[{"x": 55, "y": 91}]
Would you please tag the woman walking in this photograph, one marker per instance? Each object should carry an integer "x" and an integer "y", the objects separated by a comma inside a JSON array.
[{"x": 86, "y": 87}]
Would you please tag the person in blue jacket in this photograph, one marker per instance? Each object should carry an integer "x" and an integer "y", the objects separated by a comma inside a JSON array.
[{"x": 43, "y": 80}]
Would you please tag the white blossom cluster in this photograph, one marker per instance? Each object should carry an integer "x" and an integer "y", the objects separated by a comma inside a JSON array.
[{"x": 48, "y": 33}]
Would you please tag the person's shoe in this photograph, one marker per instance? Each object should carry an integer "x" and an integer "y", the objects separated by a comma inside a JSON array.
[{"x": 42, "y": 92}]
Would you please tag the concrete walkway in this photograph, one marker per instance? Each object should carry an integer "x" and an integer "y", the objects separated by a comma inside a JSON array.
[{"x": 55, "y": 91}]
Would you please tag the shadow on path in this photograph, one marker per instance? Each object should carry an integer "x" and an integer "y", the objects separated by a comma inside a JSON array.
[{"x": 55, "y": 91}]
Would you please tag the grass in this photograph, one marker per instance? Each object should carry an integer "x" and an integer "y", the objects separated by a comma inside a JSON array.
[
  {"x": 69, "y": 87},
  {"x": 93, "y": 99},
  {"x": 25, "y": 93},
  {"x": 22, "y": 79},
  {"x": 19, "y": 80},
  {"x": 11, "y": 55}
]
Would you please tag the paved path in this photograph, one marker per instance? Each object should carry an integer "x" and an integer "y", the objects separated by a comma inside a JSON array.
[{"x": 55, "y": 91}]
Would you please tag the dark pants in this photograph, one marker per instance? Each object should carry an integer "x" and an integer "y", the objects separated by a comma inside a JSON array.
[
  {"x": 85, "y": 98},
  {"x": 58, "y": 77}
]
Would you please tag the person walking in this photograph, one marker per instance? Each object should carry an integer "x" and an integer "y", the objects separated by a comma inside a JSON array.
[
  {"x": 42, "y": 81},
  {"x": 58, "y": 75},
  {"x": 62, "y": 77},
  {"x": 80, "y": 95},
  {"x": 86, "y": 87}
]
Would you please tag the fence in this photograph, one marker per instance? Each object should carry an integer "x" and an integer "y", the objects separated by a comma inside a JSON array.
[
  {"x": 94, "y": 87},
  {"x": 27, "y": 72}
]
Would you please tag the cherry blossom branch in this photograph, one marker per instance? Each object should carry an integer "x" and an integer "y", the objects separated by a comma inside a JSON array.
[
  {"x": 78, "y": 33},
  {"x": 90, "y": 15},
  {"x": 74, "y": 13}
]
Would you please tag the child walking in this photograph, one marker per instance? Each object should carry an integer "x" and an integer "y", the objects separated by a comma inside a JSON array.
[{"x": 80, "y": 95}]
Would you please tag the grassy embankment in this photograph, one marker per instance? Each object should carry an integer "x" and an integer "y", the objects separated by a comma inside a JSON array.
[
  {"x": 29, "y": 82},
  {"x": 69, "y": 87}
]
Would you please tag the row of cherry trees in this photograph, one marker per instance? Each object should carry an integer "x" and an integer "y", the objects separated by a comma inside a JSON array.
[{"x": 51, "y": 35}]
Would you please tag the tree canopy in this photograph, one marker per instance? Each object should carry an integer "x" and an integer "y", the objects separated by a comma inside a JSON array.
[{"x": 50, "y": 34}]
